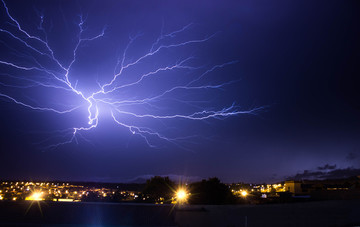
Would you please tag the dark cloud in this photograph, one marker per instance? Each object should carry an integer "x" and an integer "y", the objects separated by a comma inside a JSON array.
[
  {"x": 343, "y": 173},
  {"x": 321, "y": 175},
  {"x": 174, "y": 177},
  {"x": 327, "y": 167},
  {"x": 307, "y": 174}
]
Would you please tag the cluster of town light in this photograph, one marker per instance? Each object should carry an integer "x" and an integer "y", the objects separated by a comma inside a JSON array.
[{"x": 182, "y": 195}]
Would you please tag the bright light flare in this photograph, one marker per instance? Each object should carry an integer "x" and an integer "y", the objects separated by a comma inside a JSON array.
[
  {"x": 36, "y": 196},
  {"x": 244, "y": 193},
  {"x": 181, "y": 195}
]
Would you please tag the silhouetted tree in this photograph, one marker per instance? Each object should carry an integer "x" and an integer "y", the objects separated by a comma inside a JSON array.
[
  {"x": 211, "y": 191},
  {"x": 158, "y": 189}
]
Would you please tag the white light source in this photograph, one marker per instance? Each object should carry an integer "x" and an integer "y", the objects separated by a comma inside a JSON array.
[{"x": 181, "y": 195}]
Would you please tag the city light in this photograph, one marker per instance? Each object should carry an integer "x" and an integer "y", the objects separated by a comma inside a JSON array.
[
  {"x": 244, "y": 193},
  {"x": 181, "y": 195},
  {"x": 36, "y": 196}
]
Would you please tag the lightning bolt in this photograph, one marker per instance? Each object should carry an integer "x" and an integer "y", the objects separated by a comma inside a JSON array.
[{"x": 38, "y": 53}]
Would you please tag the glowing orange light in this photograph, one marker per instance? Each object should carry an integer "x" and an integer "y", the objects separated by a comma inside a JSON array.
[
  {"x": 36, "y": 196},
  {"x": 181, "y": 195}
]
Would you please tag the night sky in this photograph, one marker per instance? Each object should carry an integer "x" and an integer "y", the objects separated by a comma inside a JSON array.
[{"x": 294, "y": 63}]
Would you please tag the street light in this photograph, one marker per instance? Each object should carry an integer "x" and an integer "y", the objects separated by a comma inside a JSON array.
[
  {"x": 36, "y": 196},
  {"x": 181, "y": 195}
]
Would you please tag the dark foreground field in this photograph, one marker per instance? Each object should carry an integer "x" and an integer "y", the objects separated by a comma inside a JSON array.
[{"x": 326, "y": 213}]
